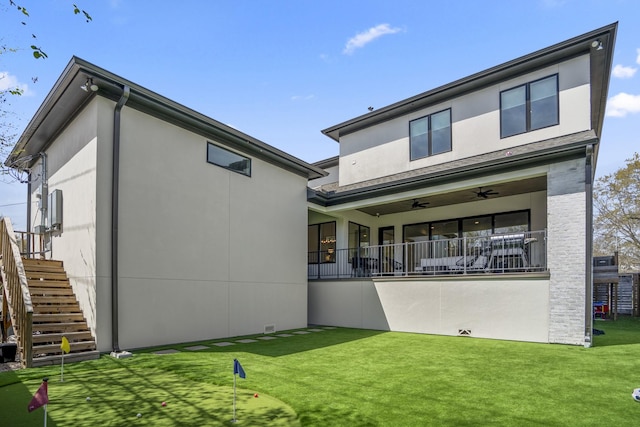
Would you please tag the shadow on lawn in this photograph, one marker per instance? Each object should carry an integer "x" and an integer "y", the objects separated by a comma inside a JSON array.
[
  {"x": 122, "y": 392},
  {"x": 14, "y": 399},
  {"x": 624, "y": 331},
  {"x": 282, "y": 346}
]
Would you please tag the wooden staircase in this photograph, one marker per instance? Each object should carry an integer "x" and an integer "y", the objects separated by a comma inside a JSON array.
[{"x": 56, "y": 313}]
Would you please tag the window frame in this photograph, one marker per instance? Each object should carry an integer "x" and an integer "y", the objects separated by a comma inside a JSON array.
[
  {"x": 330, "y": 250},
  {"x": 528, "y": 112},
  {"x": 460, "y": 220},
  {"x": 245, "y": 172},
  {"x": 430, "y": 152}
]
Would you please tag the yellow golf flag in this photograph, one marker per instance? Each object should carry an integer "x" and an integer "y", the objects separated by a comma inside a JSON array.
[{"x": 64, "y": 345}]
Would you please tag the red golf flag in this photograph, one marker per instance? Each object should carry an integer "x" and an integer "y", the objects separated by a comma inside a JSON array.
[{"x": 40, "y": 398}]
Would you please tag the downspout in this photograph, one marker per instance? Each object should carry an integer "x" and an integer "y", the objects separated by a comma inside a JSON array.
[
  {"x": 115, "y": 184},
  {"x": 588, "y": 188},
  {"x": 44, "y": 206},
  {"x": 44, "y": 193},
  {"x": 29, "y": 213}
]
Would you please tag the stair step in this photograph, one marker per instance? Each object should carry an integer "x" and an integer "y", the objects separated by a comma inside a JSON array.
[
  {"x": 31, "y": 262},
  {"x": 56, "y": 338},
  {"x": 37, "y": 275},
  {"x": 57, "y": 317},
  {"x": 44, "y": 268},
  {"x": 66, "y": 308},
  {"x": 68, "y": 358},
  {"x": 51, "y": 291},
  {"x": 48, "y": 283},
  {"x": 50, "y": 349},
  {"x": 56, "y": 313},
  {"x": 58, "y": 299},
  {"x": 61, "y": 327}
]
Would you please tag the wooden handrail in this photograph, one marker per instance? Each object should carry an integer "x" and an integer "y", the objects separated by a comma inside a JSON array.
[{"x": 16, "y": 290}]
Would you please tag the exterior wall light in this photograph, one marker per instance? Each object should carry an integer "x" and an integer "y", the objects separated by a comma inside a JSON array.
[{"x": 89, "y": 86}]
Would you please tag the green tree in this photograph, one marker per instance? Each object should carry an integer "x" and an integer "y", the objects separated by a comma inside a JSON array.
[
  {"x": 7, "y": 117},
  {"x": 617, "y": 215}
]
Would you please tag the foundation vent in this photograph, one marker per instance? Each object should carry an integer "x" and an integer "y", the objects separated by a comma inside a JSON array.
[
  {"x": 270, "y": 329},
  {"x": 464, "y": 332}
]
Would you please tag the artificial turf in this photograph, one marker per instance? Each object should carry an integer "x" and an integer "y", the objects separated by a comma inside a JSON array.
[{"x": 346, "y": 377}]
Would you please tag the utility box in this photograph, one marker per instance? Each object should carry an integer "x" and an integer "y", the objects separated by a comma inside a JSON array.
[{"x": 55, "y": 210}]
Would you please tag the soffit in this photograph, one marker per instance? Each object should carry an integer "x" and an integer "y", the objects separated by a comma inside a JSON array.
[
  {"x": 505, "y": 189},
  {"x": 540, "y": 153}
]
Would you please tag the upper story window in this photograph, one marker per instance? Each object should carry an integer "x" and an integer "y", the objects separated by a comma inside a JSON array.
[
  {"x": 228, "y": 159},
  {"x": 430, "y": 135},
  {"x": 529, "y": 107}
]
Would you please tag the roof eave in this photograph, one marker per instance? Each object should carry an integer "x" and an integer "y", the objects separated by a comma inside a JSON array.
[
  {"x": 63, "y": 103},
  {"x": 539, "y": 59},
  {"x": 575, "y": 149}
]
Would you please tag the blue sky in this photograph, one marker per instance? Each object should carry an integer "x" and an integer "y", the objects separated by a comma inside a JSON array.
[{"x": 282, "y": 71}]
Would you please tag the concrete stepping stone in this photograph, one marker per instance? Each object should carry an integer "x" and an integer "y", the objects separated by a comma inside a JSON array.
[
  {"x": 168, "y": 351},
  {"x": 196, "y": 347},
  {"x": 267, "y": 338},
  {"x": 301, "y": 332},
  {"x": 223, "y": 344},
  {"x": 284, "y": 335},
  {"x": 246, "y": 341}
]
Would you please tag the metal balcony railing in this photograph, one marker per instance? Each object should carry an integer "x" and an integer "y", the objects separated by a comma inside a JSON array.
[{"x": 496, "y": 254}]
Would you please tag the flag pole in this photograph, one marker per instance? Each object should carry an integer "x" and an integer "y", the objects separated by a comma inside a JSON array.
[
  {"x": 234, "y": 399},
  {"x": 45, "y": 415},
  {"x": 66, "y": 348}
]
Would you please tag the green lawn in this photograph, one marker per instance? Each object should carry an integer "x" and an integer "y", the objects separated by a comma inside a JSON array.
[{"x": 347, "y": 377}]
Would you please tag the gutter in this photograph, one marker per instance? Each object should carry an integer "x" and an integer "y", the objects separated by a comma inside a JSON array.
[
  {"x": 333, "y": 198},
  {"x": 115, "y": 187},
  {"x": 588, "y": 189}
]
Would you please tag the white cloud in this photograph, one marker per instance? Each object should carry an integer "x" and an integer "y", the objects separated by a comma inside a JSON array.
[
  {"x": 365, "y": 37},
  {"x": 622, "y": 72},
  {"x": 622, "y": 104},
  {"x": 10, "y": 82}
]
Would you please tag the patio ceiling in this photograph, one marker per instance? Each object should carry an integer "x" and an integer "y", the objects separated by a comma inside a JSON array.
[{"x": 467, "y": 195}]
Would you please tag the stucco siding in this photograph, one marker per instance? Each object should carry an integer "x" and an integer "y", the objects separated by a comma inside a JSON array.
[
  {"x": 383, "y": 149},
  {"x": 71, "y": 168},
  {"x": 511, "y": 309},
  {"x": 204, "y": 252}
]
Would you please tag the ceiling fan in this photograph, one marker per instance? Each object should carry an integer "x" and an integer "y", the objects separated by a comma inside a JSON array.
[
  {"x": 417, "y": 205},
  {"x": 486, "y": 193}
]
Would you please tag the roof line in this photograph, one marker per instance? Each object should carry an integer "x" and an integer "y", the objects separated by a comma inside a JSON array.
[{"x": 478, "y": 80}]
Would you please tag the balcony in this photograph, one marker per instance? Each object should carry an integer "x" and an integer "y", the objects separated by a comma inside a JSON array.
[{"x": 520, "y": 252}]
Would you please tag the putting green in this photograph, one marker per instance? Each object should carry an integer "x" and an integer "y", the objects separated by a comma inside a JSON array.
[{"x": 82, "y": 401}]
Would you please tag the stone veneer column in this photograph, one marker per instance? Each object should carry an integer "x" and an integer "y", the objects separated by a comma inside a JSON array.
[{"x": 566, "y": 251}]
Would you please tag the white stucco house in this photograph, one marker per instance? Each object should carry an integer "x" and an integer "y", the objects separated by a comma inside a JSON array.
[
  {"x": 169, "y": 218},
  {"x": 464, "y": 210}
]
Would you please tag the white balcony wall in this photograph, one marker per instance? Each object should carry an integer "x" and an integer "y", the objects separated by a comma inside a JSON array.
[{"x": 510, "y": 309}]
